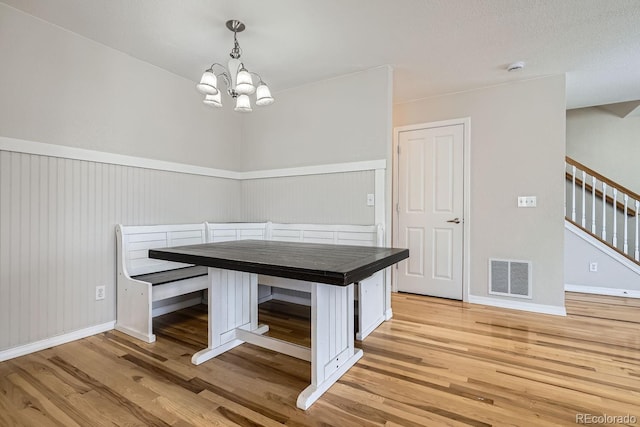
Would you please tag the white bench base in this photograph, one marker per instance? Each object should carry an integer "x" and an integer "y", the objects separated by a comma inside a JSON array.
[{"x": 135, "y": 298}]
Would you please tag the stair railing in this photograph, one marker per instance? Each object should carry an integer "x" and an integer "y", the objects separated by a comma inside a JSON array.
[{"x": 597, "y": 205}]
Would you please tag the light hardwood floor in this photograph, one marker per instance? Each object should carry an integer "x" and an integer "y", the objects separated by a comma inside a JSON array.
[{"x": 437, "y": 362}]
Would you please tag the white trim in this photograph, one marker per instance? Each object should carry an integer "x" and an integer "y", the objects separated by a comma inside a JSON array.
[
  {"x": 169, "y": 308},
  {"x": 54, "y": 341},
  {"x": 614, "y": 292},
  {"x": 519, "y": 305},
  {"x": 466, "y": 223},
  {"x": 315, "y": 170},
  {"x": 74, "y": 153},
  {"x": 602, "y": 247},
  {"x": 387, "y": 181},
  {"x": 379, "y": 195}
]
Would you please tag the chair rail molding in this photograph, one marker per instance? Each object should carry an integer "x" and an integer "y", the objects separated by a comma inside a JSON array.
[{"x": 74, "y": 153}]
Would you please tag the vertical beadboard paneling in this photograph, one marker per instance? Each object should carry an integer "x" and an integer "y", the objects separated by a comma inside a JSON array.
[
  {"x": 57, "y": 238},
  {"x": 337, "y": 198},
  {"x": 5, "y": 236},
  {"x": 21, "y": 235}
]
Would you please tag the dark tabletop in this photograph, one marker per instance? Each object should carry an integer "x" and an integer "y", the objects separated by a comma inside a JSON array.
[{"x": 332, "y": 264}]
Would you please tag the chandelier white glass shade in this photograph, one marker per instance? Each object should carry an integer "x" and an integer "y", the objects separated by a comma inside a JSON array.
[{"x": 239, "y": 80}]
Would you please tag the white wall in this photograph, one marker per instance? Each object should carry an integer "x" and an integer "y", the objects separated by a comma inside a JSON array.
[
  {"x": 59, "y": 88},
  {"x": 345, "y": 119},
  {"x": 517, "y": 148},
  {"x": 613, "y": 272},
  {"x": 606, "y": 143},
  {"x": 337, "y": 198},
  {"x": 340, "y": 120}
]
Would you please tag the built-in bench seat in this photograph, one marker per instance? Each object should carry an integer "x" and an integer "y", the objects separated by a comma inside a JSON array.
[
  {"x": 371, "y": 293},
  {"x": 143, "y": 282},
  {"x": 162, "y": 277}
]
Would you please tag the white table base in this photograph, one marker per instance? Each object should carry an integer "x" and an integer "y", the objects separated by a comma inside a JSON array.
[{"x": 233, "y": 319}]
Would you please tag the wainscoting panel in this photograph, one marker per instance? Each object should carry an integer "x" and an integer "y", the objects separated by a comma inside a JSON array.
[
  {"x": 57, "y": 238},
  {"x": 335, "y": 198}
]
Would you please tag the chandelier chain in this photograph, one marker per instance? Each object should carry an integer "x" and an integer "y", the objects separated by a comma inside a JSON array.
[{"x": 236, "y": 52}]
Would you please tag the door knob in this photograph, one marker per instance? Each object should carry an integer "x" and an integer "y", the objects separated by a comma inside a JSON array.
[{"x": 455, "y": 220}]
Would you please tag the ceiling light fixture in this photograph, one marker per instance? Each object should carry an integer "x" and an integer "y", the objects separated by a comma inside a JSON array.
[{"x": 238, "y": 79}]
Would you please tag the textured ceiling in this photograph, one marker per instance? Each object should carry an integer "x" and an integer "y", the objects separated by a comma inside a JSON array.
[{"x": 434, "y": 46}]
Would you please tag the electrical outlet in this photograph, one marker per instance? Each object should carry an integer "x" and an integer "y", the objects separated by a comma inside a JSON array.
[
  {"x": 593, "y": 267},
  {"x": 527, "y": 201},
  {"x": 100, "y": 290}
]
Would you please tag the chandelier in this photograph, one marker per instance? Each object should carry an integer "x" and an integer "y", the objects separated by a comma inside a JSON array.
[{"x": 238, "y": 79}]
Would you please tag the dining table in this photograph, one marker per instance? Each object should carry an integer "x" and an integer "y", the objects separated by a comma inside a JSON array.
[{"x": 328, "y": 272}]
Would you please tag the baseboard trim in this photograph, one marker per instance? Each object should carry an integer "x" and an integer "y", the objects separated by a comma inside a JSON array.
[
  {"x": 614, "y": 292},
  {"x": 518, "y": 305},
  {"x": 169, "y": 308},
  {"x": 55, "y": 341}
]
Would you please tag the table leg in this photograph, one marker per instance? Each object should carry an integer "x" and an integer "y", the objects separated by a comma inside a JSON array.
[
  {"x": 233, "y": 303},
  {"x": 332, "y": 341}
]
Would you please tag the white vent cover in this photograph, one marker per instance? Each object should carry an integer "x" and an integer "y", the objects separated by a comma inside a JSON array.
[{"x": 510, "y": 277}]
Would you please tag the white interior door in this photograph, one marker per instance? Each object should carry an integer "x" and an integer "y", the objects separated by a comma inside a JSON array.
[{"x": 430, "y": 210}]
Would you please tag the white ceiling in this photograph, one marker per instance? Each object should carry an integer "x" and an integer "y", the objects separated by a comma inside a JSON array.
[{"x": 434, "y": 46}]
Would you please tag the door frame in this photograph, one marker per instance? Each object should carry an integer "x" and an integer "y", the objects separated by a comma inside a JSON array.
[{"x": 466, "y": 250}]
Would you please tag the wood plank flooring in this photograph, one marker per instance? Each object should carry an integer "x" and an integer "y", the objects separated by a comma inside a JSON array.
[{"x": 437, "y": 362}]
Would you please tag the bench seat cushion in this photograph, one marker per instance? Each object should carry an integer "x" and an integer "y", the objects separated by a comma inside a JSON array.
[{"x": 168, "y": 276}]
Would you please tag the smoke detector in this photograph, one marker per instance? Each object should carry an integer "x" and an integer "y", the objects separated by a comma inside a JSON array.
[{"x": 516, "y": 66}]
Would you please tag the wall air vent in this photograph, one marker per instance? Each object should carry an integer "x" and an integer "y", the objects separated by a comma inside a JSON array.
[{"x": 510, "y": 278}]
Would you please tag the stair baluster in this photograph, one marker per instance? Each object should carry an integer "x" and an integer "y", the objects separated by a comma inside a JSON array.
[
  {"x": 625, "y": 243},
  {"x": 622, "y": 200},
  {"x": 593, "y": 204},
  {"x": 615, "y": 217},
  {"x": 573, "y": 195},
  {"x": 637, "y": 254},
  {"x": 604, "y": 211},
  {"x": 584, "y": 199}
]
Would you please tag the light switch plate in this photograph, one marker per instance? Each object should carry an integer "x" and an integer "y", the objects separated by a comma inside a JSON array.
[{"x": 527, "y": 201}]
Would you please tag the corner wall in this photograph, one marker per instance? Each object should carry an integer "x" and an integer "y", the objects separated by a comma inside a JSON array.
[
  {"x": 57, "y": 214},
  {"x": 341, "y": 120},
  {"x": 62, "y": 90},
  {"x": 57, "y": 87},
  {"x": 517, "y": 149}
]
